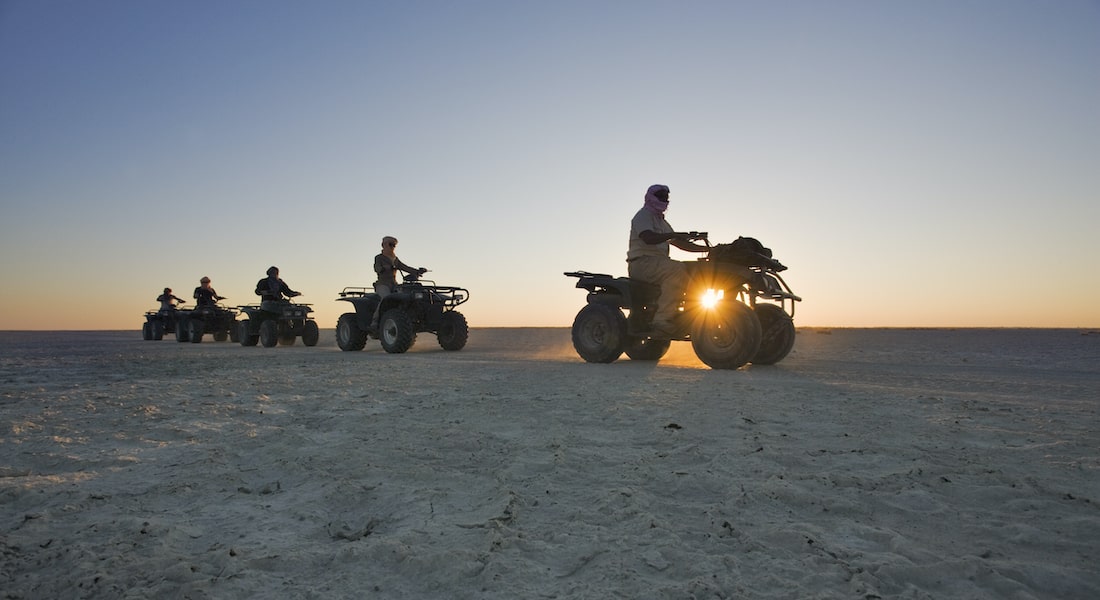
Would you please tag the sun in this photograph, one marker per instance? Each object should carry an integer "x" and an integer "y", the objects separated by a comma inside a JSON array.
[{"x": 712, "y": 297}]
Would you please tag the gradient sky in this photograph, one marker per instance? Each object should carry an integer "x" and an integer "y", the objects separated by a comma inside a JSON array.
[{"x": 932, "y": 163}]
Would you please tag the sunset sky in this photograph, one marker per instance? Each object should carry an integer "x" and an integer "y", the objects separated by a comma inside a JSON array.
[{"x": 932, "y": 163}]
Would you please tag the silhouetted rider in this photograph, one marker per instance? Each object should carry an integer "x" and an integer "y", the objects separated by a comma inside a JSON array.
[
  {"x": 647, "y": 255},
  {"x": 168, "y": 301},
  {"x": 205, "y": 296},
  {"x": 272, "y": 289},
  {"x": 386, "y": 266}
]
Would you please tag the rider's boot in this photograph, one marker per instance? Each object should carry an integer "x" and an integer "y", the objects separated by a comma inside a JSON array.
[{"x": 662, "y": 329}]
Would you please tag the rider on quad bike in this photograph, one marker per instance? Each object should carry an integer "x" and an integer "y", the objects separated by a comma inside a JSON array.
[
  {"x": 208, "y": 317},
  {"x": 411, "y": 307},
  {"x": 159, "y": 322},
  {"x": 276, "y": 321},
  {"x": 386, "y": 266},
  {"x": 731, "y": 305},
  {"x": 647, "y": 257},
  {"x": 272, "y": 288}
]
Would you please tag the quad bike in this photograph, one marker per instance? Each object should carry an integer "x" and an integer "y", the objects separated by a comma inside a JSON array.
[
  {"x": 734, "y": 310},
  {"x": 189, "y": 325},
  {"x": 157, "y": 323},
  {"x": 217, "y": 320},
  {"x": 274, "y": 323},
  {"x": 415, "y": 306}
]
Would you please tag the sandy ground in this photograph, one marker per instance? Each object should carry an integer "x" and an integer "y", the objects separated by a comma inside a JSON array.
[{"x": 869, "y": 464}]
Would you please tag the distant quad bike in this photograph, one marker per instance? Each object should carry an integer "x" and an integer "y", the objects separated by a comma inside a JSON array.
[
  {"x": 277, "y": 323},
  {"x": 157, "y": 323},
  {"x": 415, "y": 306},
  {"x": 218, "y": 321},
  {"x": 735, "y": 310}
]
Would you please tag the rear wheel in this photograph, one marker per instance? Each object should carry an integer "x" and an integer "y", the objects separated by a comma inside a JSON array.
[
  {"x": 147, "y": 331},
  {"x": 348, "y": 335},
  {"x": 454, "y": 331},
  {"x": 310, "y": 333},
  {"x": 245, "y": 335},
  {"x": 221, "y": 336},
  {"x": 158, "y": 330},
  {"x": 646, "y": 348},
  {"x": 599, "y": 333},
  {"x": 195, "y": 330},
  {"x": 727, "y": 336},
  {"x": 777, "y": 334},
  {"x": 269, "y": 334},
  {"x": 396, "y": 331},
  {"x": 234, "y": 332}
]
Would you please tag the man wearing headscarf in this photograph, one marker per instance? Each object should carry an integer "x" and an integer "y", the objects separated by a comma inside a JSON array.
[
  {"x": 386, "y": 265},
  {"x": 647, "y": 256}
]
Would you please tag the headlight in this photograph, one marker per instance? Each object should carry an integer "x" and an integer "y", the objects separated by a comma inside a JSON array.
[{"x": 711, "y": 298}]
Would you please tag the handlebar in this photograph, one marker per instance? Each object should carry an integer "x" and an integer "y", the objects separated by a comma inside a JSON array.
[
  {"x": 414, "y": 276},
  {"x": 692, "y": 236}
]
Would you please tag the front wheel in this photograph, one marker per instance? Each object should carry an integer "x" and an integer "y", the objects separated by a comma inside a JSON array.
[
  {"x": 349, "y": 337},
  {"x": 147, "y": 331},
  {"x": 158, "y": 331},
  {"x": 396, "y": 331},
  {"x": 727, "y": 336},
  {"x": 453, "y": 331},
  {"x": 777, "y": 334},
  {"x": 310, "y": 333},
  {"x": 269, "y": 333},
  {"x": 599, "y": 333}
]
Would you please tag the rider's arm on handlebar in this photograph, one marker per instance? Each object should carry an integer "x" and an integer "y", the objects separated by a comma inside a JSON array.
[
  {"x": 688, "y": 246},
  {"x": 679, "y": 239},
  {"x": 406, "y": 268}
]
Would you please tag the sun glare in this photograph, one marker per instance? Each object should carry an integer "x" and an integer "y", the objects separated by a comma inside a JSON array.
[{"x": 712, "y": 297}]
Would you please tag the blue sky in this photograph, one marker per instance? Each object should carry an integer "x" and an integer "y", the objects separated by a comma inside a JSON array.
[{"x": 915, "y": 164}]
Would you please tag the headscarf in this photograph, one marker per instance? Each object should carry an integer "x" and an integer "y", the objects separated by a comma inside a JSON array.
[{"x": 653, "y": 203}]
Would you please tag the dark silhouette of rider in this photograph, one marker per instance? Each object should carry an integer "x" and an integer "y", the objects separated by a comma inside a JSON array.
[
  {"x": 205, "y": 296},
  {"x": 386, "y": 266},
  {"x": 168, "y": 302},
  {"x": 272, "y": 289}
]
